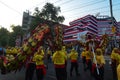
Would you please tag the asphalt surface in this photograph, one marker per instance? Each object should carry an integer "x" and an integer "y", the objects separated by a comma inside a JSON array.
[{"x": 20, "y": 75}]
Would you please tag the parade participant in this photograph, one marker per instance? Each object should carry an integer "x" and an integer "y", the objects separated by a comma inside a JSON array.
[
  {"x": 74, "y": 63},
  {"x": 118, "y": 67},
  {"x": 114, "y": 57},
  {"x": 98, "y": 65},
  {"x": 59, "y": 59},
  {"x": 89, "y": 56},
  {"x": 64, "y": 52},
  {"x": 118, "y": 72},
  {"x": 30, "y": 67},
  {"x": 40, "y": 67},
  {"x": 83, "y": 56}
]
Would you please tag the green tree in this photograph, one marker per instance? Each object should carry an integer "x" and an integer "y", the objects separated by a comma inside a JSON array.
[
  {"x": 4, "y": 37},
  {"x": 17, "y": 31},
  {"x": 50, "y": 12},
  {"x": 49, "y": 15}
]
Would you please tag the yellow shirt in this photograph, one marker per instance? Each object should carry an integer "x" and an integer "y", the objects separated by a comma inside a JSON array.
[
  {"x": 64, "y": 52},
  {"x": 88, "y": 54},
  {"x": 113, "y": 55},
  {"x": 73, "y": 56},
  {"x": 59, "y": 58},
  {"x": 49, "y": 52},
  {"x": 118, "y": 58},
  {"x": 8, "y": 51},
  {"x": 100, "y": 59},
  {"x": 14, "y": 51},
  {"x": 39, "y": 59},
  {"x": 118, "y": 72},
  {"x": 83, "y": 54}
]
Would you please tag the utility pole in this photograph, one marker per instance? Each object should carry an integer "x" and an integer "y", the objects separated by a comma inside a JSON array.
[
  {"x": 113, "y": 27},
  {"x": 111, "y": 12}
]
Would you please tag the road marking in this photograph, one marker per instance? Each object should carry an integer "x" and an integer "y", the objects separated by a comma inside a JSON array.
[{"x": 53, "y": 77}]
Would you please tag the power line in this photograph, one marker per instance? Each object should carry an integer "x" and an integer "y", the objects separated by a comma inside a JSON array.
[
  {"x": 96, "y": 9},
  {"x": 10, "y": 7},
  {"x": 37, "y": 5},
  {"x": 57, "y": 1},
  {"x": 80, "y": 4},
  {"x": 94, "y": 13},
  {"x": 66, "y": 2},
  {"x": 84, "y": 6},
  {"x": 41, "y": 3}
]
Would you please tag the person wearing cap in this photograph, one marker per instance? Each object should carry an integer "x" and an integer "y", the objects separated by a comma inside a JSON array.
[
  {"x": 74, "y": 62},
  {"x": 98, "y": 65},
  {"x": 114, "y": 61},
  {"x": 59, "y": 59},
  {"x": 39, "y": 61}
]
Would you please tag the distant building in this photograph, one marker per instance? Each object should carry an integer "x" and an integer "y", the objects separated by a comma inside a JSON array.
[
  {"x": 87, "y": 25},
  {"x": 105, "y": 26},
  {"x": 27, "y": 19},
  {"x": 91, "y": 26}
]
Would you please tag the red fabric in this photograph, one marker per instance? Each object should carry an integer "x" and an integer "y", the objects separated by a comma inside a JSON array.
[
  {"x": 83, "y": 57},
  {"x": 59, "y": 66},
  {"x": 93, "y": 67},
  {"x": 87, "y": 60},
  {"x": 73, "y": 60},
  {"x": 41, "y": 67},
  {"x": 5, "y": 60}
]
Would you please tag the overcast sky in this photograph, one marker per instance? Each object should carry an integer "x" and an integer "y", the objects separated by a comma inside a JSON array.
[{"x": 11, "y": 11}]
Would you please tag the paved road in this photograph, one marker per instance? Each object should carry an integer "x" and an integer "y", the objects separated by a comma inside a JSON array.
[{"x": 51, "y": 73}]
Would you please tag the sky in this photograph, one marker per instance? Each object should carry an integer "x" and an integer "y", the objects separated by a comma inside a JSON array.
[{"x": 11, "y": 11}]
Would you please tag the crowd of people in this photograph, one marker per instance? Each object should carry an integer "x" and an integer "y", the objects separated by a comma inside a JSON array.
[{"x": 93, "y": 61}]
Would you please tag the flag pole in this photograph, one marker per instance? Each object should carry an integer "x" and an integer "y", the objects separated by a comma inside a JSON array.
[{"x": 95, "y": 57}]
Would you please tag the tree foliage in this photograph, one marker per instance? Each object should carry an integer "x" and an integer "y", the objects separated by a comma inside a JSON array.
[
  {"x": 4, "y": 37},
  {"x": 17, "y": 32},
  {"x": 49, "y": 15},
  {"x": 50, "y": 12}
]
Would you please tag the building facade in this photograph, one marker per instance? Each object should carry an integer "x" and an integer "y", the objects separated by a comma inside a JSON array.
[
  {"x": 90, "y": 25},
  {"x": 80, "y": 28}
]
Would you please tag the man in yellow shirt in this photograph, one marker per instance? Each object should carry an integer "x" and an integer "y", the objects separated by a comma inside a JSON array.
[
  {"x": 118, "y": 64},
  {"x": 83, "y": 56},
  {"x": 98, "y": 65},
  {"x": 59, "y": 59},
  {"x": 30, "y": 68},
  {"x": 74, "y": 63},
  {"x": 114, "y": 61},
  {"x": 89, "y": 56},
  {"x": 40, "y": 67}
]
